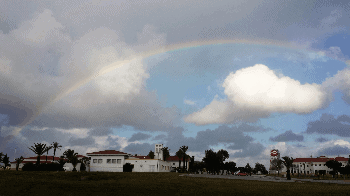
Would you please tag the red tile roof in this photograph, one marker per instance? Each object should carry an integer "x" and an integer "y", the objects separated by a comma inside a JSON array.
[
  {"x": 43, "y": 158},
  {"x": 319, "y": 159},
  {"x": 175, "y": 158},
  {"x": 142, "y": 157},
  {"x": 106, "y": 152},
  {"x": 32, "y": 162}
]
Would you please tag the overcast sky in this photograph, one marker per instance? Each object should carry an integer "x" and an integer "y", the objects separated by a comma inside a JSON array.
[{"x": 244, "y": 76}]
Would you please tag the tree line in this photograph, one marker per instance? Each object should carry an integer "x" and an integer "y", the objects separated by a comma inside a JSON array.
[
  {"x": 69, "y": 156},
  {"x": 213, "y": 162}
]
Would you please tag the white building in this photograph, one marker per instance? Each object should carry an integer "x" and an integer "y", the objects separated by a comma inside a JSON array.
[
  {"x": 113, "y": 161},
  {"x": 307, "y": 165}
]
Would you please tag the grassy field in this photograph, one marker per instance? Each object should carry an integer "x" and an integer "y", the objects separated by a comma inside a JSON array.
[{"x": 83, "y": 183}]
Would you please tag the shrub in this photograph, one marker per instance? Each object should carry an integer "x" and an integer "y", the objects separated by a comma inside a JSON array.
[
  {"x": 42, "y": 167},
  {"x": 82, "y": 167},
  {"x": 29, "y": 167}
]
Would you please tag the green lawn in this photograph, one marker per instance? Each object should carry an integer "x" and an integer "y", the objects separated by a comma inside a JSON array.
[{"x": 69, "y": 183}]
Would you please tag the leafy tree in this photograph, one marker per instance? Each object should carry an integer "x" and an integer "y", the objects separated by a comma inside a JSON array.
[
  {"x": 230, "y": 167},
  {"x": 39, "y": 150},
  {"x": 69, "y": 154},
  {"x": 179, "y": 154},
  {"x": 277, "y": 165},
  {"x": 209, "y": 160},
  {"x": 184, "y": 156},
  {"x": 85, "y": 160},
  {"x": 55, "y": 146},
  {"x": 222, "y": 155},
  {"x": 335, "y": 165},
  {"x": 248, "y": 169},
  {"x": 18, "y": 161},
  {"x": 260, "y": 167},
  {"x": 6, "y": 161},
  {"x": 214, "y": 161},
  {"x": 288, "y": 162},
  {"x": 62, "y": 162},
  {"x": 165, "y": 153},
  {"x": 1, "y": 155},
  {"x": 151, "y": 154}
]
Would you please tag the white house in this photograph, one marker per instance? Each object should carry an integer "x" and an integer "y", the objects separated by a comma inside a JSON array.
[
  {"x": 113, "y": 161},
  {"x": 108, "y": 160}
]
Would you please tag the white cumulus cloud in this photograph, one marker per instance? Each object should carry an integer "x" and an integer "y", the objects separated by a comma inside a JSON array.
[{"x": 256, "y": 92}]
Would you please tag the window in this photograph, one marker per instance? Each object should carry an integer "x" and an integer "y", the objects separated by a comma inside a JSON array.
[
  {"x": 307, "y": 165},
  {"x": 173, "y": 163},
  {"x": 114, "y": 161},
  {"x": 100, "y": 161},
  {"x": 94, "y": 160},
  {"x": 109, "y": 161},
  {"x": 320, "y": 165},
  {"x": 119, "y": 161}
]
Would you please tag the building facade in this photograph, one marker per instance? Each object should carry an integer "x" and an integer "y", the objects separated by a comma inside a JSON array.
[
  {"x": 307, "y": 165},
  {"x": 113, "y": 161}
]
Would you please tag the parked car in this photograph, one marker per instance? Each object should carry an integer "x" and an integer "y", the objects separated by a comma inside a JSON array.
[{"x": 242, "y": 174}]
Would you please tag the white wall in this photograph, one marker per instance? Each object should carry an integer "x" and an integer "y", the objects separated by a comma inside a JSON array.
[
  {"x": 104, "y": 166},
  {"x": 149, "y": 165}
]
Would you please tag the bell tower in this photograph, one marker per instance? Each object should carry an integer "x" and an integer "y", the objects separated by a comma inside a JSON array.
[{"x": 158, "y": 153}]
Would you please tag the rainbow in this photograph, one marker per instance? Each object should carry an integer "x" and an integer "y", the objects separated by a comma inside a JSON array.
[{"x": 168, "y": 48}]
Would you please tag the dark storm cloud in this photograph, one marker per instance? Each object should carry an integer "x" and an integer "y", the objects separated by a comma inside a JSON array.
[
  {"x": 287, "y": 136},
  {"x": 334, "y": 151},
  {"x": 139, "y": 137},
  {"x": 251, "y": 150},
  {"x": 100, "y": 131},
  {"x": 321, "y": 139},
  {"x": 140, "y": 149},
  {"x": 159, "y": 137},
  {"x": 328, "y": 124},
  {"x": 88, "y": 141},
  {"x": 227, "y": 135}
]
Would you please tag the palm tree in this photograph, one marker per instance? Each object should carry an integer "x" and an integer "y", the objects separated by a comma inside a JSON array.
[
  {"x": 69, "y": 154},
  {"x": 39, "y": 150},
  {"x": 165, "y": 153},
  {"x": 74, "y": 160},
  {"x": 151, "y": 154},
  {"x": 179, "y": 154},
  {"x": 55, "y": 146},
  {"x": 288, "y": 162},
  {"x": 47, "y": 151},
  {"x": 18, "y": 161},
  {"x": 184, "y": 149},
  {"x": 277, "y": 164}
]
